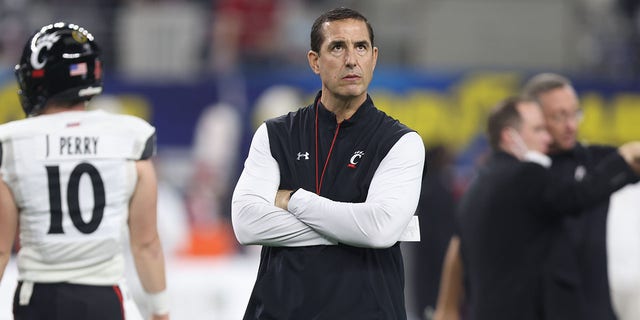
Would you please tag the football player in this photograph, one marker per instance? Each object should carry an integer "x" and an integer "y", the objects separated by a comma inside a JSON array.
[{"x": 72, "y": 182}]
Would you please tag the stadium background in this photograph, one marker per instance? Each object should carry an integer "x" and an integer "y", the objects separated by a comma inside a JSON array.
[{"x": 442, "y": 65}]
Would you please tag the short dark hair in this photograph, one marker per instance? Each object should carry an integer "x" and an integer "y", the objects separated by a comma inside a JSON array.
[
  {"x": 504, "y": 114},
  {"x": 342, "y": 13},
  {"x": 543, "y": 83}
]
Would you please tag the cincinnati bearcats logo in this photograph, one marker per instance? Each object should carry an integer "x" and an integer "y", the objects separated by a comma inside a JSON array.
[
  {"x": 355, "y": 158},
  {"x": 43, "y": 43}
]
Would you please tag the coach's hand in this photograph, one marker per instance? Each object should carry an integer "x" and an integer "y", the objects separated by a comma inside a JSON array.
[
  {"x": 160, "y": 317},
  {"x": 282, "y": 199}
]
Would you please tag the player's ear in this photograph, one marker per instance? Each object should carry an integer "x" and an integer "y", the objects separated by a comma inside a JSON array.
[{"x": 313, "y": 58}]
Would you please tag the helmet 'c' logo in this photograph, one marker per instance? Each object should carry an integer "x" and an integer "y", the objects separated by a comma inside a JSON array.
[
  {"x": 355, "y": 158},
  {"x": 45, "y": 42}
]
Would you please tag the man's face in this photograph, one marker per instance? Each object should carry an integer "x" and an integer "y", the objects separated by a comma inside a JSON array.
[
  {"x": 346, "y": 60},
  {"x": 562, "y": 114},
  {"x": 533, "y": 129}
]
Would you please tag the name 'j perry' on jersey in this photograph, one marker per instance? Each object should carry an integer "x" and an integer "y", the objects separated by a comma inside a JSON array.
[{"x": 76, "y": 145}]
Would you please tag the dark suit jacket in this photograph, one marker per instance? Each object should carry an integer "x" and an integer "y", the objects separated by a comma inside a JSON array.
[
  {"x": 586, "y": 234},
  {"x": 509, "y": 219}
]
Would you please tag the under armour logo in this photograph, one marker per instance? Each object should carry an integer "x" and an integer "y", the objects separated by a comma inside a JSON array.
[
  {"x": 355, "y": 158},
  {"x": 305, "y": 155}
]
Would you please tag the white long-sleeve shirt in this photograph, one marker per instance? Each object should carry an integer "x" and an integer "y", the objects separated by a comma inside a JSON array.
[{"x": 314, "y": 220}]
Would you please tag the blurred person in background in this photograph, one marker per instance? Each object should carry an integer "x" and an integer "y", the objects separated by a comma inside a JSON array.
[
  {"x": 275, "y": 101},
  {"x": 330, "y": 190},
  {"x": 217, "y": 136},
  {"x": 587, "y": 232},
  {"x": 511, "y": 215},
  {"x": 578, "y": 257},
  {"x": 436, "y": 209},
  {"x": 73, "y": 181}
]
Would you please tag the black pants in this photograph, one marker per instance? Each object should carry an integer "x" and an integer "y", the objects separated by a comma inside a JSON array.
[{"x": 58, "y": 301}]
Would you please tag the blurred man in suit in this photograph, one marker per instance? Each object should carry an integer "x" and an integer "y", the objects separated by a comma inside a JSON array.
[{"x": 512, "y": 216}]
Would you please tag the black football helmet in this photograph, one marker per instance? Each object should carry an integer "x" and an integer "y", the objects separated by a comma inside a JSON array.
[{"x": 61, "y": 62}]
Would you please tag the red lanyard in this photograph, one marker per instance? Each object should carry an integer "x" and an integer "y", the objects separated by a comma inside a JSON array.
[{"x": 326, "y": 162}]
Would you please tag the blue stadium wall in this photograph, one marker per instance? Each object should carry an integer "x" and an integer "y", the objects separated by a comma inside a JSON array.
[{"x": 448, "y": 108}]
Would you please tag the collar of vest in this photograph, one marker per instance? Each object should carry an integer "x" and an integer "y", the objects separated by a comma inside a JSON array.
[
  {"x": 577, "y": 152},
  {"x": 326, "y": 116}
]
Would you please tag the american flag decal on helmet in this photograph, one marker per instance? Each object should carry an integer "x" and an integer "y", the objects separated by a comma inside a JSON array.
[{"x": 78, "y": 69}]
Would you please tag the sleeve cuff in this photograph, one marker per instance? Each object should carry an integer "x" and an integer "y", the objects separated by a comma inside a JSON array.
[{"x": 299, "y": 200}]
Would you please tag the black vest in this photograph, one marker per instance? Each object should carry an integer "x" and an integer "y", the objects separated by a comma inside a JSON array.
[{"x": 330, "y": 282}]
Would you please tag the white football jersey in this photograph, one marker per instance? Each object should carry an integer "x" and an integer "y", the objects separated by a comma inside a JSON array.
[{"x": 72, "y": 175}]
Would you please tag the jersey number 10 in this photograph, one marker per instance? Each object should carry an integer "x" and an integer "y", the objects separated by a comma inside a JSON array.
[{"x": 73, "y": 201}]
